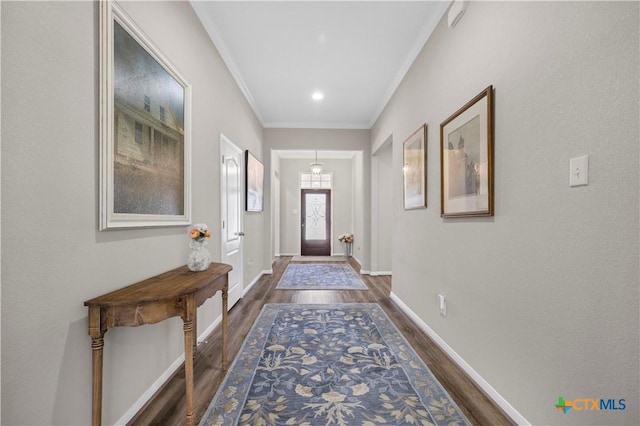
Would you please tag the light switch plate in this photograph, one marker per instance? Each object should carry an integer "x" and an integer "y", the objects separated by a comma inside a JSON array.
[
  {"x": 579, "y": 171},
  {"x": 442, "y": 304}
]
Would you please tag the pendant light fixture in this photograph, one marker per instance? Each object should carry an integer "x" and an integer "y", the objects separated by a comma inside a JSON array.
[{"x": 316, "y": 168}]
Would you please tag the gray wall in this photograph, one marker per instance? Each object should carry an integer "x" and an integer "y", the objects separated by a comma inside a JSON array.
[
  {"x": 53, "y": 256},
  {"x": 543, "y": 297},
  {"x": 341, "y": 202}
]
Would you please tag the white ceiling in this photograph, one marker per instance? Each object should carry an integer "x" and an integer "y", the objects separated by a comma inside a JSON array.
[{"x": 355, "y": 52}]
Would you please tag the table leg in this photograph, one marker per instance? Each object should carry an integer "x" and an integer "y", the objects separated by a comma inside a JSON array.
[
  {"x": 188, "y": 367},
  {"x": 195, "y": 334},
  {"x": 225, "y": 301},
  {"x": 188, "y": 317},
  {"x": 97, "y": 345}
]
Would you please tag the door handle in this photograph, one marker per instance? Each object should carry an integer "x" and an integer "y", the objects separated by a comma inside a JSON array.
[{"x": 240, "y": 234}]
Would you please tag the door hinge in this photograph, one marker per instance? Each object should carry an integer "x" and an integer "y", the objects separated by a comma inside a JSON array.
[
  {"x": 223, "y": 224},
  {"x": 223, "y": 159}
]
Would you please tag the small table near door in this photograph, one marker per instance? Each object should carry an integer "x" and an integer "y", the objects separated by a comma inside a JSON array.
[{"x": 174, "y": 293}]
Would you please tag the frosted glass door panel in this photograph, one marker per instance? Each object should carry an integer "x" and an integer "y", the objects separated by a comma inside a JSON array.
[{"x": 315, "y": 219}]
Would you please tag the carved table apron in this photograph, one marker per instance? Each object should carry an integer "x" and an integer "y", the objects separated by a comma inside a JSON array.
[{"x": 174, "y": 293}]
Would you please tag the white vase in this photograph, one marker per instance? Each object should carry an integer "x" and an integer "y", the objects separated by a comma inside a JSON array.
[{"x": 199, "y": 257}]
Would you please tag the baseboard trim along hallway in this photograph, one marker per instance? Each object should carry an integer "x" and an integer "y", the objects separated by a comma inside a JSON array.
[{"x": 473, "y": 374}]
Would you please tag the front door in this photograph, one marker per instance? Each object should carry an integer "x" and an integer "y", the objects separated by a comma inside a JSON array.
[
  {"x": 232, "y": 182},
  {"x": 316, "y": 222}
]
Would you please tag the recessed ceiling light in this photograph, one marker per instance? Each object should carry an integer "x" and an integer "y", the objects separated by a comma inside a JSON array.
[{"x": 317, "y": 96}]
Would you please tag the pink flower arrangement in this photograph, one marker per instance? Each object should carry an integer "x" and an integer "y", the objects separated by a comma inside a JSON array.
[{"x": 346, "y": 238}]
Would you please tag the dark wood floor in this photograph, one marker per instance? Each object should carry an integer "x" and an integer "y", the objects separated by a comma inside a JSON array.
[{"x": 167, "y": 407}]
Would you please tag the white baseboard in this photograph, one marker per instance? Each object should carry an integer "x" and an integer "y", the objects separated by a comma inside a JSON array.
[
  {"x": 146, "y": 396},
  {"x": 362, "y": 271},
  {"x": 128, "y": 415},
  {"x": 484, "y": 385},
  {"x": 377, "y": 273},
  {"x": 255, "y": 280}
]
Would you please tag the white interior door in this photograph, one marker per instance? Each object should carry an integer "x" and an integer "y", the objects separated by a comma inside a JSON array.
[{"x": 231, "y": 193}]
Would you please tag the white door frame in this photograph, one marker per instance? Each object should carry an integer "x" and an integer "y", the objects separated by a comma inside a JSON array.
[
  {"x": 299, "y": 208},
  {"x": 276, "y": 213},
  {"x": 375, "y": 208}
]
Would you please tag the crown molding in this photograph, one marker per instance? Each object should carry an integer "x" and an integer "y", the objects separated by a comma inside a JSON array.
[
  {"x": 316, "y": 125},
  {"x": 421, "y": 40},
  {"x": 208, "y": 26}
]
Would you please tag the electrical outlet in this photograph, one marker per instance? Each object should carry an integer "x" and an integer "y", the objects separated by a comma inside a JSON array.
[{"x": 579, "y": 171}]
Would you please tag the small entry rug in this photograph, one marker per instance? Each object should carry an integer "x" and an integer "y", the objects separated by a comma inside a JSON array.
[
  {"x": 333, "y": 364},
  {"x": 320, "y": 276}
]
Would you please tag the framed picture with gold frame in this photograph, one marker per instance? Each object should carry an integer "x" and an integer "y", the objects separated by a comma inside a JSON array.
[
  {"x": 414, "y": 169},
  {"x": 466, "y": 159}
]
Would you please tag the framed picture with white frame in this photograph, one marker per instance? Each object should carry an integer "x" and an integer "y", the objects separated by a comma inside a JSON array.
[
  {"x": 145, "y": 120},
  {"x": 254, "y": 183}
]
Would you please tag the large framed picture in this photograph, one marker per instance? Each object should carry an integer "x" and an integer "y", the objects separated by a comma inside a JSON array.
[
  {"x": 466, "y": 159},
  {"x": 145, "y": 146},
  {"x": 414, "y": 169},
  {"x": 254, "y": 183}
]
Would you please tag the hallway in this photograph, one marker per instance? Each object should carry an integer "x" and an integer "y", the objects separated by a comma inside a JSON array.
[
  {"x": 542, "y": 298},
  {"x": 167, "y": 407}
]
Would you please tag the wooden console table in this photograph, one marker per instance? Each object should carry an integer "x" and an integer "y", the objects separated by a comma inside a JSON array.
[{"x": 174, "y": 293}]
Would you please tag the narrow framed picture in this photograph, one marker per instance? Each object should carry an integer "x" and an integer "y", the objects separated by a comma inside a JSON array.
[
  {"x": 145, "y": 141},
  {"x": 466, "y": 159},
  {"x": 254, "y": 183},
  {"x": 414, "y": 169}
]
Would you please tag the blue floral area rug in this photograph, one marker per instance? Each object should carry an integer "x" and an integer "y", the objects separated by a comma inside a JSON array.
[
  {"x": 344, "y": 364},
  {"x": 320, "y": 276}
]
